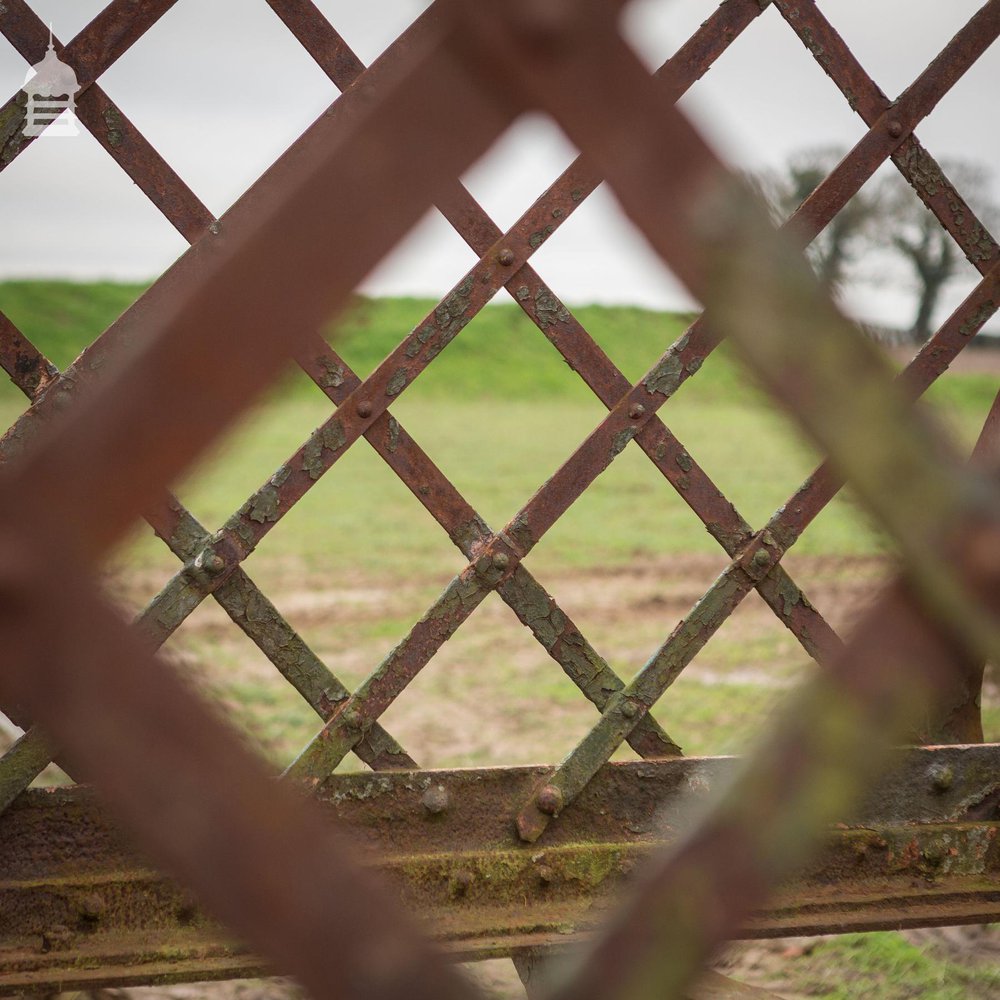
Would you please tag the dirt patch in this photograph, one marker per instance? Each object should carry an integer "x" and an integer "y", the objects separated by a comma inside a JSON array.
[{"x": 492, "y": 695}]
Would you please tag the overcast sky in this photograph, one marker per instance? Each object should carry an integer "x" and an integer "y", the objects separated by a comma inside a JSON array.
[{"x": 221, "y": 88}]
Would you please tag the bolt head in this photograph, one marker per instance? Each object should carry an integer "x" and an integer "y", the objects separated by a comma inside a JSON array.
[
  {"x": 942, "y": 777},
  {"x": 629, "y": 709},
  {"x": 57, "y": 938},
  {"x": 501, "y": 560},
  {"x": 546, "y": 874},
  {"x": 762, "y": 557},
  {"x": 506, "y": 257},
  {"x": 92, "y": 907},
  {"x": 895, "y": 129},
  {"x": 463, "y": 881},
  {"x": 636, "y": 410},
  {"x": 436, "y": 800},
  {"x": 550, "y": 800},
  {"x": 364, "y": 409}
]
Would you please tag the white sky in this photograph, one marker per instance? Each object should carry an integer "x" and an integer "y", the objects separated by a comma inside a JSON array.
[{"x": 221, "y": 88}]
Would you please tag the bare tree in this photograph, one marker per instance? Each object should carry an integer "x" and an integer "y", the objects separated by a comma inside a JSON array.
[
  {"x": 932, "y": 258},
  {"x": 848, "y": 237}
]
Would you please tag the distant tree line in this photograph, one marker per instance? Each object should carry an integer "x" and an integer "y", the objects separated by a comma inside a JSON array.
[{"x": 884, "y": 233}]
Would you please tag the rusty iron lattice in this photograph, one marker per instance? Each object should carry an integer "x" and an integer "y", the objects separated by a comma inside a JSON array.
[{"x": 278, "y": 867}]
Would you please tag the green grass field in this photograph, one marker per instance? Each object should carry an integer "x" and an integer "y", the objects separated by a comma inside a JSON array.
[
  {"x": 359, "y": 558},
  {"x": 498, "y": 412}
]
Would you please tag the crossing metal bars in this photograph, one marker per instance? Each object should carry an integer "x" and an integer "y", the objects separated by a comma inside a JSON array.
[{"x": 95, "y": 451}]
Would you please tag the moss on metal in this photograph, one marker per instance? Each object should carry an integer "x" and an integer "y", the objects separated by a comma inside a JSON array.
[
  {"x": 264, "y": 506},
  {"x": 333, "y": 373},
  {"x": 548, "y": 309},
  {"x": 12, "y": 137},
  {"x": 115, "y": 127},
  {"x": 330, "y": 437},
  {"x": 666, "y": 376}
]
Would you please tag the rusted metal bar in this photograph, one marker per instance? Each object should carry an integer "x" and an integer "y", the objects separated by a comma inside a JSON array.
[
  {"x": 958, "y": 714},
  {"x": 987, "y": 448},
  {"x": 913, "y": 161},
  {"x": 286, "y": 885},
  {"x": 276, "y": 497},
  {"x": 22, "y": 763},
  {"x": 535, "y": 608},
  {"x": 27, "y": 367},
  {"x": 98, "y": 46},
  {"x": 828, "y": 198},
  {"x": 91, "y": 53},
  {"x": 257, "y": 853},
  {"x": 207, "y": 290},
  {"x": 850, "y": 705},
  {"x": 237, "y": 595},
  {"x": 778, "y": 535},
  {"x": 461, "y": 870}
]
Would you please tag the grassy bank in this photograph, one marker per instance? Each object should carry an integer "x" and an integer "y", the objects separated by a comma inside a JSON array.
[{"x": 499, "y": 411}]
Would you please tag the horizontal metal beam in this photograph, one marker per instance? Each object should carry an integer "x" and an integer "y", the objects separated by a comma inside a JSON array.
[{"x": 79, "y": 907}]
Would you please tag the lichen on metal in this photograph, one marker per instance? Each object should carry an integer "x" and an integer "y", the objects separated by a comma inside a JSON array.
[{"x": 472, "y": 880}]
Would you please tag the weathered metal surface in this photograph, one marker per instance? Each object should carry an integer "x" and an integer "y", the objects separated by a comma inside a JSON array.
[
  {"x": 550, "y": 55},
  {"x": 686, "y": 356},
  {"x": 184, "y": 736},
  {"x": 78, "y": 906},
  {"x": 913, "y": 161},
  {"x": 94, "y": 50},
  {"x": 762, "y": 295}
]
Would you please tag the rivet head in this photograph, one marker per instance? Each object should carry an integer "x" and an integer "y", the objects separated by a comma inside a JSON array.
[
  {"x": 942, "y": 777},
  {"x": 506, "y": 257},
  {"x": 57, "y": 938},
  {"x": 92, "y": 907},
  {"x": 501, "y": 560},
  {"x": 436, "y": 799},
  {"x": 762, "y": 557},
  {"x": 895, "y": 129},
  {"x": 629, "y": 709},
  {"x": 550, "y": 800},
  {"x": 636, "y": 410},
  {"x": 933, "y": 854},
  {"x": 364, "y": 409}
]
